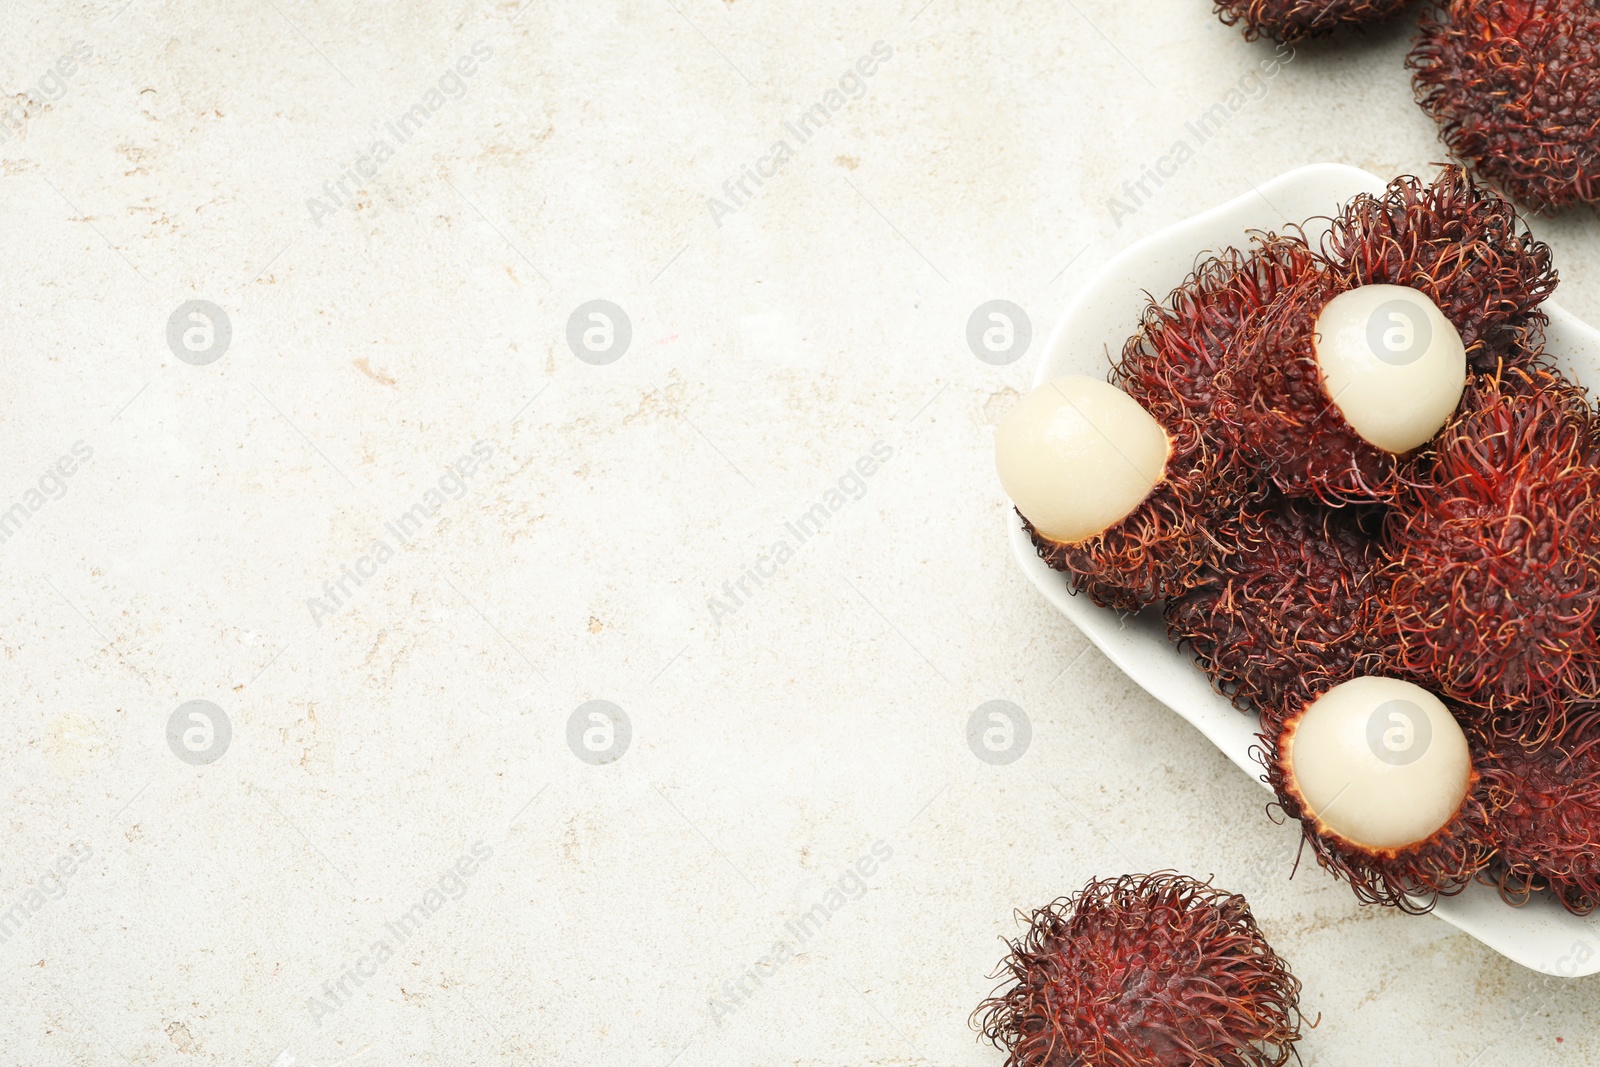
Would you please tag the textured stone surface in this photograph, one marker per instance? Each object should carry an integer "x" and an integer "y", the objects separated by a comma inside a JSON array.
[{"x": 378, "y": 335}]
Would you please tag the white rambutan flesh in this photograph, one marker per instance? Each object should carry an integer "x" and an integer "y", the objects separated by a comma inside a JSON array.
[
  {"x": 1391, "y": 363},
  {"x": 1077, "y": 456}
]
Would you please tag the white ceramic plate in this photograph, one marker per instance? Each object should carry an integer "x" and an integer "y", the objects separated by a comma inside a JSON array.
[{"x": 1539, "y": 935}]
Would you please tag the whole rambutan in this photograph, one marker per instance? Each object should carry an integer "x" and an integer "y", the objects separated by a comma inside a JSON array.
[
  {"x": 1515, "y": 88},
  {"x": 1342, "y": 385},
  {"x": 1383, "y": 781},
  {"x": 1177, "y": 364},
  {"x": 1295, "y": 20},
  {"x": 1290, "y": 613},
  {"x": 1546, "y": 823},
  {"x": 1157, "y": 970},
  {"x": 1118, "y": 501},
  {"x": 1493, "y": 591},
  {"x": 1458, "y": 243}
]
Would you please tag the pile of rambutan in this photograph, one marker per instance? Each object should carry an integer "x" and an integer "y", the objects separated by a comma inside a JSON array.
[{"x": 1368, "y": 503}]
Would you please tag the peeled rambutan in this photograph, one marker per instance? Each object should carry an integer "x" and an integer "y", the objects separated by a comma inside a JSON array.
[
  {"x": 1383, "y": 781},
  {"x": 1546, "y": 823},
  {"x": 1295, "y": 20},
  {"x": 1157, "y": 970},
  {"x": 1343, "y": 384},
  {"x": 1493, "y": 591},
  {"x": 1458, "y": 243},
  {"x": 1515, "y": 88},
  {"x": 1290, "y": 613},
  {"x": 1118, "y": 501}
]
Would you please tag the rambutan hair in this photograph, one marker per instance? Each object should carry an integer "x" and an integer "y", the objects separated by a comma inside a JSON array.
[
  {"x": 1547, "y": 823},
  {"x": 1291, "y": 612},
  {"x": 1515, "y": 88},
  {"x": 1157, "y": 970},
  {"x": 1295, "y": 20},
  {"x": 1178, "y": 364},
  {"x": 1460, "y": 244},
  {"x": 1159, "y": 549},
  {"x": 1411, "y": 878},
  {"x": 1289, "y": 429},
  {"x": 1494, "y": 577}
]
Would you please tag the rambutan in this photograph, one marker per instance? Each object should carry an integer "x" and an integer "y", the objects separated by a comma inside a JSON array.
[
  {"x": 1515, "y": 88},
  {"x": 1295, "y": 20},
  {"x": 1493, "y": 590},
  {"x": 1342, "y": 384},
  {"x": 1110, "y": 496},
  {"x": 1458, "y": 243},
  {"x": 1157, "y": 970},
  {"x": 1178, "y": 362},
  {"x": 1547, "y": 823},
  {"x": 1290, "y": 613},
  {"x": 1382, "y": 779}
]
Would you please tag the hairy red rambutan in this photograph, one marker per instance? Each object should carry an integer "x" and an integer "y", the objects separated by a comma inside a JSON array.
[
  {"x": 1515, "y": 88},
  {"x": 1157, "y": 970},
  {"x": 1364, "y": 829},
  {"x": 1458, "y": 243},
  {"x": 1176, "y": 363},
  {"x": 1295, "y": 20},
  {"x": 1054, "y": 456},
  {"x": 1493, "y": 590},
  {"x": 1546, "y": 823},
  {"x": 1176, "y": 366},
  {"x": 1288, "y": 614}
]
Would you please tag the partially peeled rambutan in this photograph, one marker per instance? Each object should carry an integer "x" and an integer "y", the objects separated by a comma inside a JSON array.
[
  {"x": 1547, "y": 824},
  {"x": 1110, "y": 496},
  {"x": 1343, "y": 384},
  {"x": 1515, "y": 88},
  {"x": 1458, "y": 243},
  {"x": 1290, "y": 613},
  {"x": 1383, "y": 781},
  {"x": 1157, "y": 970},
  {"x": 1295, "y": 20},
  {"x": 1494, "y": 578}
]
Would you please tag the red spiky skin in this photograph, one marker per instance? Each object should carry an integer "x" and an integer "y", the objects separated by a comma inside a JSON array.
[
  {"x": 1410, "y": 879},
  {"x": 1290, "y": 614},
  {"x": 1160, "y": 549},
  {"x": 1177, "y": 365},
  {"x": 1515, "y": 88},
  {"x": 1495, "y": 555},
  {"x": 1179, "y": 362},
  {"x": 1459, "y": 243},
  {"x": 1547, "y": 824},
  {"x": 1156, "y": 970},
  {"x": 1289, "y": 429},
  {"x": 1296, "y": 20}
]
